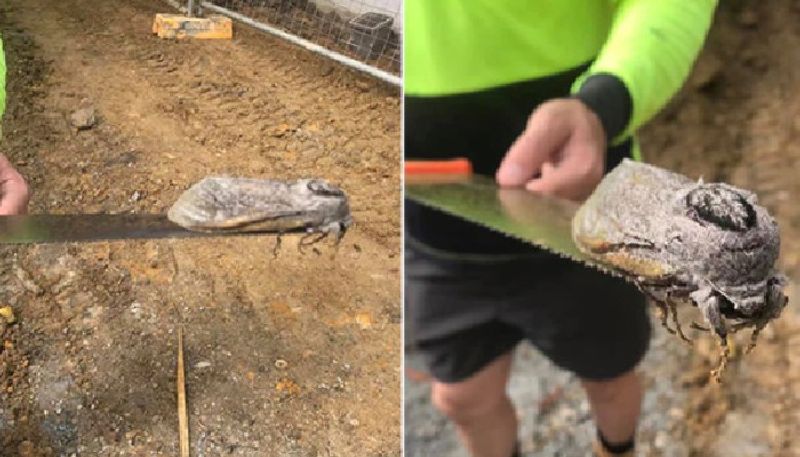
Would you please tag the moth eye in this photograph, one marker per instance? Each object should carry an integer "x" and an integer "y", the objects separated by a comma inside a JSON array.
[
  {"x": 722, "y": 207},
  {"x": 323, "y": 188}
]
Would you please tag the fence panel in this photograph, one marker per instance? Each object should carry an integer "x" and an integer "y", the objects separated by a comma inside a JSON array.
[{"x": 365, "y": 34}]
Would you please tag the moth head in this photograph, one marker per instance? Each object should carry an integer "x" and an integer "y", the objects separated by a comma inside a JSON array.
[{"x": 721, "y": 206}]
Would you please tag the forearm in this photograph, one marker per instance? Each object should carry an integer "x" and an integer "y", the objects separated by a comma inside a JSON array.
[{"x": 648, "y": 55}]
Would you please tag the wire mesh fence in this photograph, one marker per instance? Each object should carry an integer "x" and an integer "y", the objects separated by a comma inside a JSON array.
[{"x": 368, "y": 31}]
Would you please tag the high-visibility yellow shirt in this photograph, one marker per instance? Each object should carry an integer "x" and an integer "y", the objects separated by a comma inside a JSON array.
[{"x": 462, "y": 46}]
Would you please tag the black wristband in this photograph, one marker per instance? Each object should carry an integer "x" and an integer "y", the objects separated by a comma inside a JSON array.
[{"x": 607, "y": 96}]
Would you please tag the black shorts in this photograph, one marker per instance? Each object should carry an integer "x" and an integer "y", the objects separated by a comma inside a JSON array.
[{"x": 461, "y": 315}]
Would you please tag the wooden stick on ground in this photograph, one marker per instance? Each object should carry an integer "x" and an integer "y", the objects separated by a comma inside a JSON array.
[{"x": 183, "y": 420}]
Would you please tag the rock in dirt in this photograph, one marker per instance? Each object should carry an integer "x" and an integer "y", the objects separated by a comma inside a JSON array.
[
  {"x": 748, "y": 18},
  {"x": 83, "y": 118},
  {"x": 707, "y": 72},
  {"x": 26, "y": 449},
  {"x": 7, "y": 315}
]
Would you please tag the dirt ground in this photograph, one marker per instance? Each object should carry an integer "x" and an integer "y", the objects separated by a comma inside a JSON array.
[
  {"x": 738, "y": 120},
  {"x": 294, "y": 356}
]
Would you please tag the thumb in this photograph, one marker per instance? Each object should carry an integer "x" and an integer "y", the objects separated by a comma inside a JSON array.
[{"x": 545, "y": 134}]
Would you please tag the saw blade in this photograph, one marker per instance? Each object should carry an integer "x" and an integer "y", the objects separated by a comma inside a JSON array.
[
  {"x": 543, "y": 221},
  {"x": 61, "y": 228}
]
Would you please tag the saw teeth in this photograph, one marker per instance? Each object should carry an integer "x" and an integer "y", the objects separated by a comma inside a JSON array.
[{"x": 592, "y": 265}]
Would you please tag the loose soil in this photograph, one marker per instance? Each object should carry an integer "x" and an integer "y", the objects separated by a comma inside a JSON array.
[{"x": 295, "y": 355}]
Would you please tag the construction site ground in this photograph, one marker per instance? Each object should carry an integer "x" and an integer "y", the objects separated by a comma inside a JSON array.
[{"x": 294, "y": 356}]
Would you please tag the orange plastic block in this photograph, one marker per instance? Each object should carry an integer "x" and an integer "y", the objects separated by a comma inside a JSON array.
[{"x": 178, "y": 27}]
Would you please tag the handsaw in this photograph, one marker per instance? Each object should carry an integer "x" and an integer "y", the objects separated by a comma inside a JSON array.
[
  {"x": 61, "y": 228},
  {"x": 451, "y": 186}
]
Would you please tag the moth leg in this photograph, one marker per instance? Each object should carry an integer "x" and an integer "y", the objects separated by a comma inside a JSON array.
[
  {"x": 697, "y": 326},
  {"x": 663, "y": 308},
  {"x": 776, "y": 301},
  {"x": 754, "y": 336},
  {"x": 338, "y": 231},
  {"x": 663, "y": 315},
  {"x": 723, "y": 360},
  {"x": 708, "y": 302},
  {"x": 709, "y": 306},
  {"x": 673, "y": 309},
  {"x": 313, "y": 237}
]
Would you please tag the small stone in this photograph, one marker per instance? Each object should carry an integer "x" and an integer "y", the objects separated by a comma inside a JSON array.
[
  {"x": 327, "y": 70},
  {"x": 281, "y": 364},
  {"x": 660, "y": 440},
  {"x": 7, "y": 314},
  {"x": 83, "y": 118},
  {"x": 26, "y": 449},
  {"x": 203, "y": 364},
  {"x": 748, "y": 18},
  {"x": 706, "y": 72},
  {"x": 363, "y": 85}
]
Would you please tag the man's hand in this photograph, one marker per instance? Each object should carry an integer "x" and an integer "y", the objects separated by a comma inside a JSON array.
[
  {"x": 562, "y": 152},
  {"x": 14, "y": 193}
]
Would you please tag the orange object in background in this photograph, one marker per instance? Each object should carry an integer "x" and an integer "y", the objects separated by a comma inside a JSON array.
[
  {"x": 458, "y": 166},
  {"x": 176, "y": 26}
]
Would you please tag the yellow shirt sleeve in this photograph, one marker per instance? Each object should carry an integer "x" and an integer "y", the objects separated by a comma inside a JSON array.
[{"x": 651, "y": 48}]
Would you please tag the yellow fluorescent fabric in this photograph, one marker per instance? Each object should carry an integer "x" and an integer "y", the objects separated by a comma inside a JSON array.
[
  {"x": 457, "y": 46},
  {"x": 462, "y": 46},
  {"x": 651, "y": 48}
]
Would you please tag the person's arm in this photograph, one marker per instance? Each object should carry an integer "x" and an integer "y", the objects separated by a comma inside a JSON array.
[
  {"x": 648, "y": 56},
  {"x": 14, "y": 192}
]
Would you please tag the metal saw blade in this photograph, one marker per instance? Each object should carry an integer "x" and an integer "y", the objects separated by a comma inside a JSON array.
[
  {"x": 532, "y": 218},
  {"x": 62, "y": 228}
]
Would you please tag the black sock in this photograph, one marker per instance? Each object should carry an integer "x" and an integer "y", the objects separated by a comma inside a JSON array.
[{"x": 615, "y": 448}]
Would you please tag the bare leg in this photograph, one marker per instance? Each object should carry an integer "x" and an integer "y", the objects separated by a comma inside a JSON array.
[
  {"x": 481, "y": 410},
  {"x": 616, "y": 404}
]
